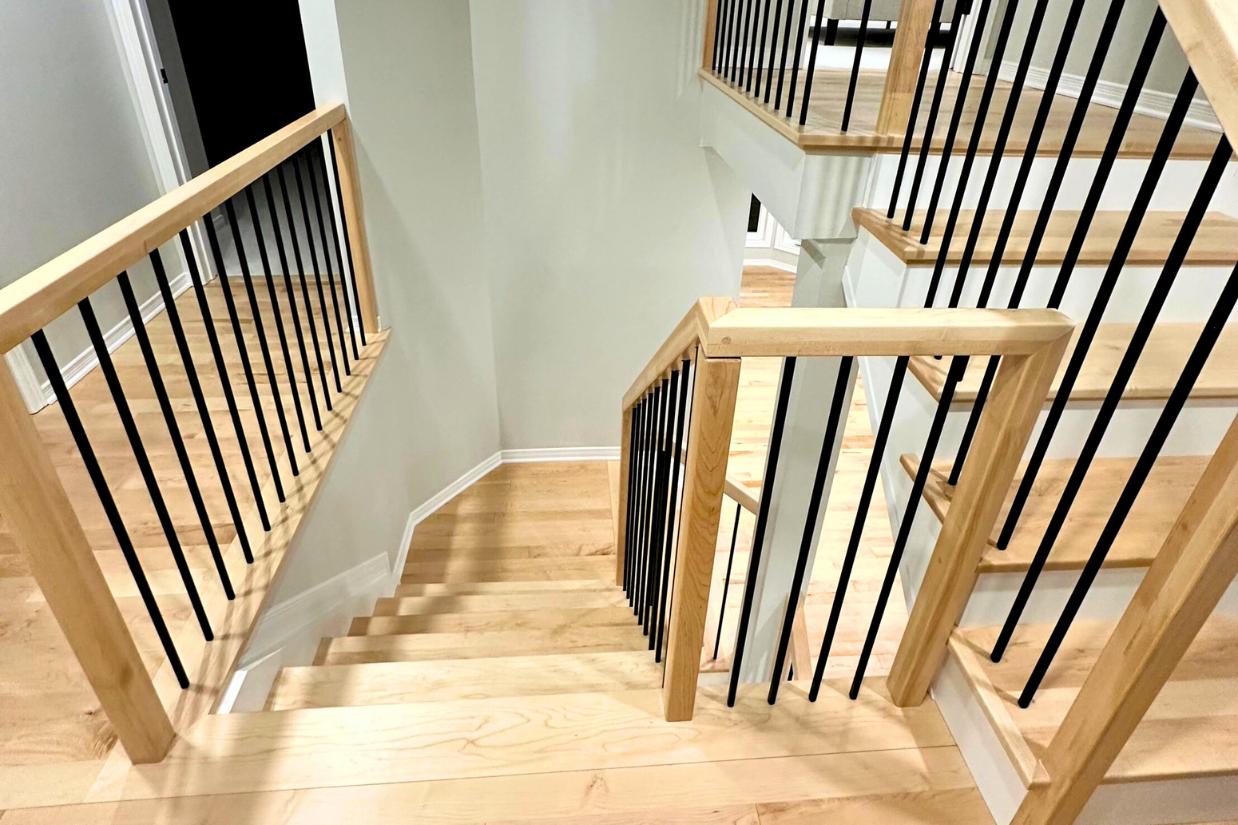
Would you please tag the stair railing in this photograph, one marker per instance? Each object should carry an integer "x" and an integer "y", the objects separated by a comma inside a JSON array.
[
  {"x": 246, "y": 548},
  {"x": 667, "y": 535}
]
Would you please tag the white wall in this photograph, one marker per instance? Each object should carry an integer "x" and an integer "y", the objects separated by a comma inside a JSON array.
[
  {"x": 604, "y": 218},
  {"x": 74, "y": 156}
]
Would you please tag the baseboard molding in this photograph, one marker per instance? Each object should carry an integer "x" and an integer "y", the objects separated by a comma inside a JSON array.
[
  {"x": 1153, "y": 103},
  {"x": 78, "y": 367},
  {"x": 26, "y": 379},
  {"x": 560, "y": 454}
]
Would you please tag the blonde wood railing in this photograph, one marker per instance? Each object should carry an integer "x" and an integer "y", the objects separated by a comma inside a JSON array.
[
  {"x": 716, "y": 336},
  {"x": 146, "y": 711}
]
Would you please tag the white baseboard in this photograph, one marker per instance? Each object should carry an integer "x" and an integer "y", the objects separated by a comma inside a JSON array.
[
  {"x": 1151, "y": 102},
  {"x": 79, "y": 366},
  {"x": 560, "y": 454},
  {"x": 450, "y": 491},
  {"x": 26, "y": 379}
]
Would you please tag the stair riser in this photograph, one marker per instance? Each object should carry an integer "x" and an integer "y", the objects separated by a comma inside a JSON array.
[
  {"x": 541, "y": 620},
  {"x": 427, "y": 605}
]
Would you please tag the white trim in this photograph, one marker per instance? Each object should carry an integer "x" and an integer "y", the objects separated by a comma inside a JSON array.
[
  {"x": 78, "y": 367},
  {"x": 1151, "y": 102},
  {"x": 560, "y": 454},
  {"x": 27, "y": 380},
  {"x": 449, "y": 492}
]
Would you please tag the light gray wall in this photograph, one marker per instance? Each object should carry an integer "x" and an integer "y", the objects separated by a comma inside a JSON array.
[
  {"x": 74, "y": 156},
  {"x": 430, "y": 413},
  {"x": 605, "y": 219},
  {"x": 1167, "y": 72}
]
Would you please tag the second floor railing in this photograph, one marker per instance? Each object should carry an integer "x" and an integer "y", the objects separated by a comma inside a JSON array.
[{"x": 293, "y": 201}]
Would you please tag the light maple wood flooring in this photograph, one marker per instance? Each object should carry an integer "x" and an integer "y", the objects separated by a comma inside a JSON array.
[
  {"x": 763, "y": 286},
  {"x": 822, "y": 131},
  {"x": 50, "y": 722}
]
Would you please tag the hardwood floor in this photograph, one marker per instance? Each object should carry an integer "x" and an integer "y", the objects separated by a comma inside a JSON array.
[{"x": 821, "y": 132}]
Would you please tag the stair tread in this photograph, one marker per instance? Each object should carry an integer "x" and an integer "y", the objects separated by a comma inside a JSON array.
[
  {"x": 1191, "y": 730},
  {"x": 1154, "y": 377},
  {"x": 358, "y": 649},
  {"x": 547, "y": 619},
  {"x": 494, "y": 602},
  {"x": 441, "y": 589},
  {"x": 459, "y": 569},
  {"x": 458, "y": 739},
  {"x": 1157, "y": 233},
  {"x": 445, "y": 679},
  {"x": 1156, "y": 509}
]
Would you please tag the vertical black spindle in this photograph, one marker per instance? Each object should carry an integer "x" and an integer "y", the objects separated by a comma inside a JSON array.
[
  {"x": 86, "y": 450},
  {"x": 221, "y": 369},
  {"x": 661, "y": 475},
  {"x": 239, "y": 335},
  {"x": 754, "y": 56},
  {"x": 834, "y": 427},
  {"x": 174, "y": 430},
  {"x": 679, "y": 388},
  {"x": 758, "y": 536},
  {"x": 352, "y": 263},
  {"x": 756, "y": 92},
  {"x": 726, "y": 580},
  {"x": 134, "y": 437},
  {"x": 312, "y": 173},
  {"x": 917, "y": 99},
  {"x": 786, "y": 46},
  {"x": 313, "y": 254},
  {"x": 773, "y": 50},
  {"x": 339, "y": 254},
  {"x": 741, "y": 44},
  {"x": 688, "y": 384},
  {"x": 855, "y": 65},
  {"x": 812, "y": 67}
]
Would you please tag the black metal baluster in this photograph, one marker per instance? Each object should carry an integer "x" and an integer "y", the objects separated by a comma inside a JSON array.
[
  {"x": 812, "y": 67},
  {"x": 1104, "y": 415},
  {"x": 633, "y": 496},
  {"x": 726, "y": 581},
  {"x": 786, "y": 46},
  {"x": 292, "y": 303},
  {"x": 956, "y": 116},
  {"x": 741, "y": 44},
  {"x": 130, "y": 426},
  {"x": 313, "y": 254},
  {"x": 795, "y": 57},
  {"x": 676, "y": 459},
  {"x": 1057, "y": 178},
  {"x": 930, "y": 125},
  {"x": 719, "y": 27},
  {"x": 758, "y": 536},
  {"x": 835, "y": 425},
  {"x": 689, "y": 380},
  {"x": 339, "y": 254},
  {"x": 260, "y": 329},
  {"x": 1143, "y": 467},
  {"x": 82, "y": 440},
  {"x": 1088, "y": 330},
  {"x": 305, "y": 295},
  {"x": 221, "y": 369},
  {"x": 642, "y": 549},
  {"x": 855, "y": 66},
  {"x": 773, "y": 50},
  {"x": 312, "y": 174},
  {"x": 760, "y": 50},
  {"x": 758, "y": 22},
  {"x": 174, "y": 430},
  {"x": 199, "y": 399},
  {"x": 916, "y": 101},
  {"x": 279, "y": 319},
  {"x": 239, "y": 335},
  {"x": 973, "y": 147},
  {"x": 352, "y": 263},
  {"x": 661, "y": 473}
]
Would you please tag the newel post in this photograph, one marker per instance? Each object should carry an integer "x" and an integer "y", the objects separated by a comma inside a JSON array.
[
  {"x": 915, "y": 21},
  {"x": 709, "y": 446},
  {"x": 1017, "y": 396},
  {"x": 354, "y": 216},
  {"x": 41, "y": 519}
]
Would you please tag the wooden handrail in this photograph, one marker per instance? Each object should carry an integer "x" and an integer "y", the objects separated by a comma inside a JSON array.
[
  {"x": 718, "y": 336},
  {"x": 1207, "y": 30},
  {"x": 31, "y": 302}
]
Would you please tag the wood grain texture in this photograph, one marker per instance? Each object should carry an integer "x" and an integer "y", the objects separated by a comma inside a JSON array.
[
  {"x": 1004, "y": 430},
  {"x": 915, "y": 21},
  {"x": 625, "y": 470},
  {"x": 690, "y": 330},
  {"x": 1182, "y": 587},
  {"x": 345, "y": 650},
  {"x": 1153, "y": 515},
  {"x": 1158, "y": 230},
  {"x": 354, "y": 216},
  {"x": 34, "y": 300},
  {"x": 715, "y": 386},
  {"x": 543, "y": 619},
  {"x": 1158, "y": 369},
  {"x": 41, "y": 519},
  {"x": 1207, "y": 30}
]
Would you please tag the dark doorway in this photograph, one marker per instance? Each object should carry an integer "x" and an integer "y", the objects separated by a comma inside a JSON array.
[{"x": 246, "y": 68}]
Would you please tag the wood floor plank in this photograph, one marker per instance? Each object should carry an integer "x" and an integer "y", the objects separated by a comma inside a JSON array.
[
  {"x": 439, "y": 589},
  {"x": 548, "y": 620},
  {"x": 360, "y": 649},
  {"x": 474, "y": 570},
  {"x": 491, "y": 603}
]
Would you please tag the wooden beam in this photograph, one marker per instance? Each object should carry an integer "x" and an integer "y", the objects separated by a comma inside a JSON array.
[
  {"x": 711, "y": 25},
  {"x": 1005, "y": 427},
  {"x": 915, "y": 20},
  {"x": 625, "y": 469},
  {"x": 1196, "y": 564},
  {"x": 1207, "y": 30},
  {"x": 41, "y": 519},
  {"x": 354, "y": 214},
  {"x": 34, "y": 300},
  {"x": 748, "y": 332},
  {"x": 709, "y": 446}
]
